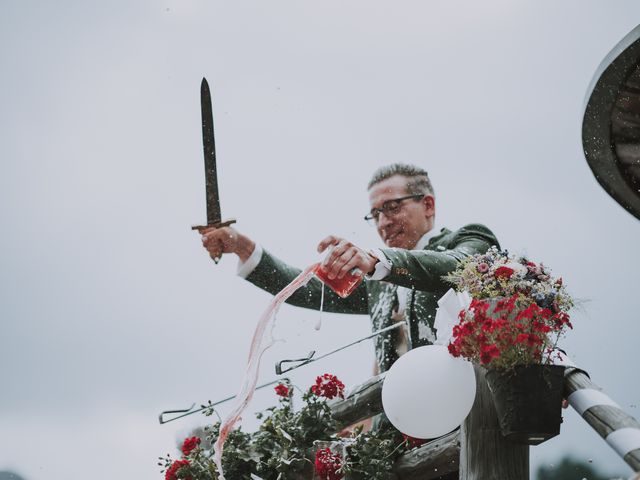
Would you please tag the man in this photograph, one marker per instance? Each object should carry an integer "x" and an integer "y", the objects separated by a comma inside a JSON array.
[{"x": 403, "y": 281}]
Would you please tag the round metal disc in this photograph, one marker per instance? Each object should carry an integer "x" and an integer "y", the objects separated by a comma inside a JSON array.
[{"x": 611, "y": 123}]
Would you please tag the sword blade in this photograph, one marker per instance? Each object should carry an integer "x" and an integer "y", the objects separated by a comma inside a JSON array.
[{"x": 214, "y": 214}]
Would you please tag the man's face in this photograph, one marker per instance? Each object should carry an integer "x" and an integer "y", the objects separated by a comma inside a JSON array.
[{"x": 410, "y": 222}]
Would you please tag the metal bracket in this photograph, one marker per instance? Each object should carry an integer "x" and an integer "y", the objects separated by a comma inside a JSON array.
[
  {"x": 190, "y": 411},
  {"x": 303, "y": 361},
  {"x": 310, "y": 358},
  {"x": 185, "y": 411}
]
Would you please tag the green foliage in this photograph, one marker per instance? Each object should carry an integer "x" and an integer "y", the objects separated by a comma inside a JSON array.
[
  {"x": 570, "y": 469},
  {"x": 283, "y": 446},
  {"x": 237, "y": 457},
  {"x": 285, "y": 439},
  {"x": 371, "y": 455}
]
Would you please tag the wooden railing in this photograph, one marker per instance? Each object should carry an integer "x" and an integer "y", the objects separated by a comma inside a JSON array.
[
  {"x": 429, "y": 461},
  {"x": 478, "y": 450},
  {"x": 619, "y": 429}
]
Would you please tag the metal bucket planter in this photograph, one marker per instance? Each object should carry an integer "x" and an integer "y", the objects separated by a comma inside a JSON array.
[{"x": 528, "y": 401}]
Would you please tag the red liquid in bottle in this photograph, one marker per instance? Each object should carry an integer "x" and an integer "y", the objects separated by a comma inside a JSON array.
[{"x": 342, "y": 286}]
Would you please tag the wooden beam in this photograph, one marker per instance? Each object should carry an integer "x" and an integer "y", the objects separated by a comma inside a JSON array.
[
  {"x": 363, "y": 401},
  {"x": 431, "y": 460},
  {"x": 605, "y": 418}
]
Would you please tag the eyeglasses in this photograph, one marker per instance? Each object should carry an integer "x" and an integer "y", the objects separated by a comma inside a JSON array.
[{"x": 389, "y": 208}]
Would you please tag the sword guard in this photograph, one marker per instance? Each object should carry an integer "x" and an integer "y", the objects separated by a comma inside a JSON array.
[{"x": 216, "y": 225}]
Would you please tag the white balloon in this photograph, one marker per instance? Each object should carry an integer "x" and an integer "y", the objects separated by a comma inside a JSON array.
[{"x": 427, "y": 392}]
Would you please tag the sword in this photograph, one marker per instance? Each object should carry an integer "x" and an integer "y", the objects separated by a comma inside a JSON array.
[{"x": 214, "y": 215}]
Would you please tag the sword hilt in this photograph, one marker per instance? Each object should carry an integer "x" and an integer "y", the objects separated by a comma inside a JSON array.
[{"x": 202, "y": 228}]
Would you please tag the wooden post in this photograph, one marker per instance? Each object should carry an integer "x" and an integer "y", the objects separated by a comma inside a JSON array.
[{"x": 484, "y": 453}]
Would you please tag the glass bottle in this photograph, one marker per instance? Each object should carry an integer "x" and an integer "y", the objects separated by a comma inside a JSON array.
[{"x": 342, "y": 286}]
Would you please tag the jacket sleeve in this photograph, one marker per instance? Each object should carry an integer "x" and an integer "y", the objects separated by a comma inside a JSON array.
[
  {"x": 424, "y": 269},
  {"x": 272, "y": 275}
]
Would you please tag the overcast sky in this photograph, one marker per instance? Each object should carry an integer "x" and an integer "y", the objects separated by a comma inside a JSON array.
[{"x": 111, "y": 311}]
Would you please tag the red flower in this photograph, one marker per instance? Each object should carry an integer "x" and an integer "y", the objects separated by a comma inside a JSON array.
[
  {"x": 488, "y": 353},
  {"x": 413, "y": 442},
  {"x": 172, "y": 471},
  {"x": 534, "y": 268},
  {"x": 282, "y": 390},
  {"x": 541, "y": 327},
  {"x": 508, "y": 304},
  {"x": 327, "y": 464},
  {"x": 479, "y": 306},
  {"x": 328, "y": 386},
  {"x": 503, "y": 272},
  {"x": 561, "y": 319},
  {"x": 528, "y": 312},
  {"x": 531, "y": 339},
  {"x": 189, "y": 444},
  {"x": 534, "y": 340},
  {"x": 500, "y": 324},
  {"x": 487, "y": 325},
  {"x": 546, "y": 313},
  {"x": 467, "y": 328},
  {"x": 495, "y": 340}
]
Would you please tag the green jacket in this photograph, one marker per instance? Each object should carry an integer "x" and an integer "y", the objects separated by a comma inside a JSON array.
[{"x": 419, "y": 270}]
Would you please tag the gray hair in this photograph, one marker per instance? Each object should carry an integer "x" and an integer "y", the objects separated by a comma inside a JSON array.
[{"x": 417, "y": 178}]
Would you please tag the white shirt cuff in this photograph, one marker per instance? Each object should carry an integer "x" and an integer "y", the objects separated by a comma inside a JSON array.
[
  {"x": 245, "y": 269},
  {"x": 383, "y": 267}
]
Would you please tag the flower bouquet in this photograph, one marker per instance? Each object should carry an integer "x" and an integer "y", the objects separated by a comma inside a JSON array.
[{"x": 516, "y": 317}]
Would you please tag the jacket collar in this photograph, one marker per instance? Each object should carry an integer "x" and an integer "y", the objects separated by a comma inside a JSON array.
[{"x": 426, "y": 238}]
